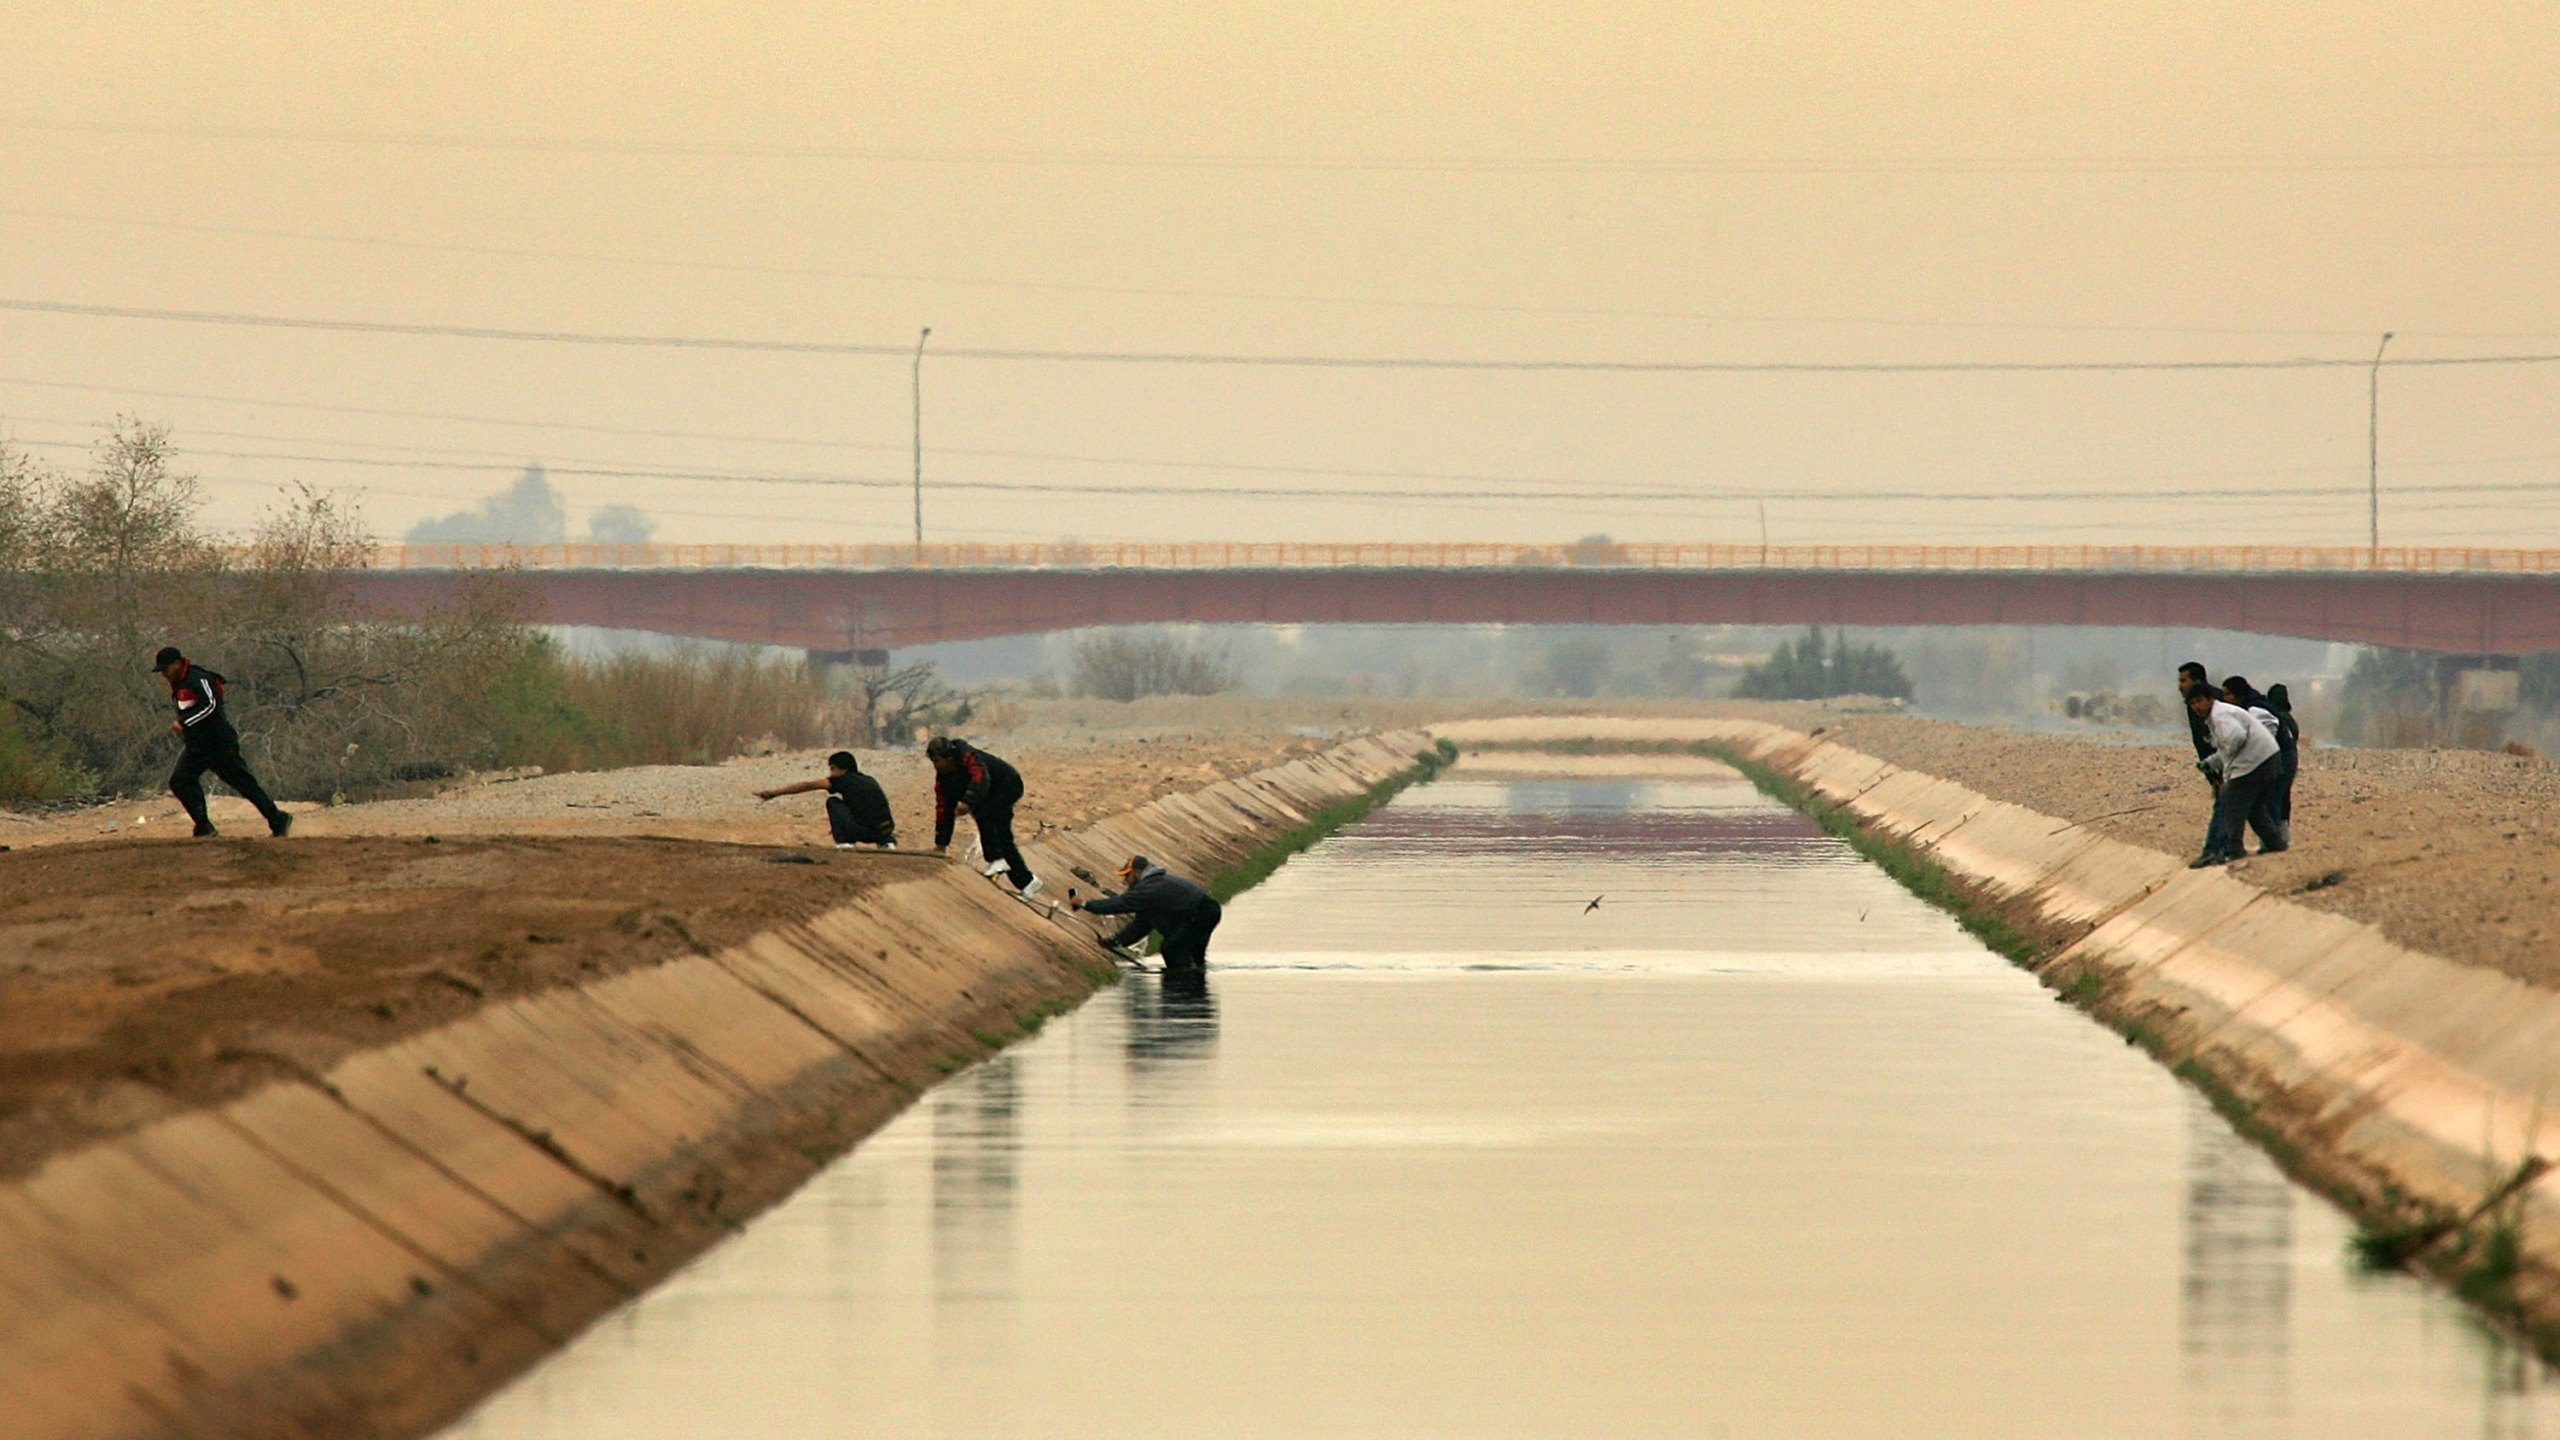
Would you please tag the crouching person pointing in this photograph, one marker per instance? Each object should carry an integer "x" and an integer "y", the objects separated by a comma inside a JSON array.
[{"x": 1159, "y": 900}]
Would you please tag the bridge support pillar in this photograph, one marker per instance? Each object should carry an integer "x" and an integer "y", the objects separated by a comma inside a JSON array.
[{"x": 860, "y": 659}]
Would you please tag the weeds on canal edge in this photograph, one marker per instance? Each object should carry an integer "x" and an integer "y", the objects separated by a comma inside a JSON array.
[
  {"x": 1915, "y": 872},
  {"x": 1256, "y": 867}
]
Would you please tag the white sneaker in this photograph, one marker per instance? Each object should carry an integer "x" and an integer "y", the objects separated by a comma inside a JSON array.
[
  {"x": 1031, "y": 889},
  {"x": 997, "y": 867},
  {"x": 844, "y": 844}
]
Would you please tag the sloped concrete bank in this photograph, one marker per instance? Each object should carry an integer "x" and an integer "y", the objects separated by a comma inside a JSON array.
[
  {"x": 2416, "y": 1091},
  {"x": 365, "y": 1249}
]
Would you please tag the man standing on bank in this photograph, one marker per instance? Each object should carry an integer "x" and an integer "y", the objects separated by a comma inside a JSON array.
[
  {"x": 969, "y": 781},
  {"x": 204, "y": 724},
  {"x": 857, "y": 811},
  {"x": 1157, "y": 899},
  {"x": 2191, "y": 681}
]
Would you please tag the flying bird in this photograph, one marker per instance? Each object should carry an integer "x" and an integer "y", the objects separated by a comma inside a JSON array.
[{"x": 1594, "y": 905}]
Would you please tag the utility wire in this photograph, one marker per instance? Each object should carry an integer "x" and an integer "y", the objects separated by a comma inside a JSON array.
[
  {"x": 1209, "y": 358},
  {"x": 1288, "y": 492},
  {"x": 1443, "y": 164},
  {"x": 520, "y": 252},
  {"x": 985, "y": 452}
]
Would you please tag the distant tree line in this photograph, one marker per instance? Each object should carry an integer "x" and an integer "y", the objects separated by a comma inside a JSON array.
[{"x": 1811, "y": 668}]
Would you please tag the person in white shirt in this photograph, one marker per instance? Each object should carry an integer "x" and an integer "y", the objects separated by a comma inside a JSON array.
[{"x": 2243, "y": 758}]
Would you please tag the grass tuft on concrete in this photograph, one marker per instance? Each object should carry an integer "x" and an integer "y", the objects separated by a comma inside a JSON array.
[
  {"x": 1915, "y": 872},
  {"x": 1256, "y": 867}
]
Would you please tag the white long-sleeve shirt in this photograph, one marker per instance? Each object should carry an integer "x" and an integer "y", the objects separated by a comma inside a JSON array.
[{"x": 2241, "y": 741}]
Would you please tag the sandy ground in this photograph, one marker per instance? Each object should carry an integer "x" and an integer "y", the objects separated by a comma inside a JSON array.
[
  {"x": 143, "y": 972},
  {"x": 2455, "y": 851}
]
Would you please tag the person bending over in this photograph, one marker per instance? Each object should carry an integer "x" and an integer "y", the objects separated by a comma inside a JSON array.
[
  {"x": 2277, "y": 716},
  {"x": 969, "y": 781},
  {"x": 204, "y": 726},
  {"x": 2244, "y": 758},
  {"x": 857, "y": 811},
  {"x": 1157, "y": 899}
]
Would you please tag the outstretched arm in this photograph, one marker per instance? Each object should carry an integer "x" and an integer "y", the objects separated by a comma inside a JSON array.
[{"x": 796, "y": 787}]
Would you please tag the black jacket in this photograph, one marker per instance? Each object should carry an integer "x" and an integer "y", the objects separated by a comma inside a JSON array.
[
  {"x": 203, "y": 710},
  {"x": 869, "y": 807},
  {"x": 1159, "y": 900},
  {"x": 978, "y": 780},
  {"x": 2288, "y": 733}
]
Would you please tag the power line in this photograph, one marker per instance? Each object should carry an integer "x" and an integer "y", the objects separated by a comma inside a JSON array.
[
  {"x": 444, "y": 416},
  {"x": 984, "y": 452},
  {"x": 1210, "y": 358},
  {"x": 1553, "y": 486},
  {"x": 520, "y": 252},
  {"x": 2101, "y": 164},
  {"x": 1279, "y": 492}
]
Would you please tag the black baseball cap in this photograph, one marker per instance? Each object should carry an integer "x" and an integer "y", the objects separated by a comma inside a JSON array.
[{"x": 167, "y": 657}]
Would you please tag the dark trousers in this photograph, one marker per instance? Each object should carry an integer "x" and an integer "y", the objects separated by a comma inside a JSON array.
[
  {"x": 849, "y": 831},
  {"x": 2249, "y": 800},
  {"x": 1186, "y": 946},
  {"x": 187, "y": 781},
  {"x": 995, "y": 839},
  {"x": 2291, "y": 760}
]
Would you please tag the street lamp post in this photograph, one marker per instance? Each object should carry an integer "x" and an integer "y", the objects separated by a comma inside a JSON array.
[
  {"x": 921, "y": 336},
  {"x": 2373, "y": 456}
]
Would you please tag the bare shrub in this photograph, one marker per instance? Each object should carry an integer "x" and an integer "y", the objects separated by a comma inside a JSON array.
[
  {"x": 895, "y": 704},
  {"x": 1125, "y": 665},
  {"x": 98, "y": 570},
  {"x": 698, "y": 705}
]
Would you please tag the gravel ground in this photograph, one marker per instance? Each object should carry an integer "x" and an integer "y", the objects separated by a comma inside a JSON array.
[{"x": 1080, "y": 760}]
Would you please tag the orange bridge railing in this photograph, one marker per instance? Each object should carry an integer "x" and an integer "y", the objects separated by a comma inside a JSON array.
[{"x": 2137, "y": 559}]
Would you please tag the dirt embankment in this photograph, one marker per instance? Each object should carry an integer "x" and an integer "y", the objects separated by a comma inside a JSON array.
[
  {"x": 143, "y": 973},
  {"x": 2452, "y": 852}
]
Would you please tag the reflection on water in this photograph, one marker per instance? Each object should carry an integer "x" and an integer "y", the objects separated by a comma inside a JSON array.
[
  {"x": 1172, "y": 1024},
  {"x": 2235, "y": 1296},
  {"x": 1757, "y": 1147}
]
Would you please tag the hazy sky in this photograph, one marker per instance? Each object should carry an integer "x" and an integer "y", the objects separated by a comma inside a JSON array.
[{"x": 1628, "y": 182}]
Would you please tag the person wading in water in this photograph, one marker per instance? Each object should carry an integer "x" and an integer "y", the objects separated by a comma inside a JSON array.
[{"x": 1156, "y": 899}]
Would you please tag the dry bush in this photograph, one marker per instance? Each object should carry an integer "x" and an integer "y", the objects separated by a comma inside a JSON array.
[
  {"x": 693, "y": 706},
  {"x": 1124, "y": 665},
  {"x": 98, "y": 570}
]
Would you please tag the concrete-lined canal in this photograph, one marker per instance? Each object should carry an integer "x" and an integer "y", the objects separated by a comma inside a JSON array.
[{"x": 1760, "y": 1146}]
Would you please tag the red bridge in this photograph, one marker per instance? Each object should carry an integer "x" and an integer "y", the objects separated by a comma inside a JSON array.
[{"x": 872, "y": 598}]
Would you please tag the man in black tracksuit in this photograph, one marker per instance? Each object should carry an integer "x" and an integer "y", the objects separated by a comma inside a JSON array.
[
  {"x": 968, "y": 780},
  {"x": 1159, "y": 900},
  {"x": 204, "y": 723}
]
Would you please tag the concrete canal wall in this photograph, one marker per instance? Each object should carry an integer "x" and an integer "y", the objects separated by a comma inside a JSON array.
[
  {"x": 365, "y": 1249},
  {"x": 2410, "y": 1087}
]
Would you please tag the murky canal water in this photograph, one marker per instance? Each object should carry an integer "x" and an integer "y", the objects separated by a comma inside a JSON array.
[{"x": 1759, "y": 1147}]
